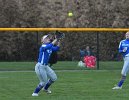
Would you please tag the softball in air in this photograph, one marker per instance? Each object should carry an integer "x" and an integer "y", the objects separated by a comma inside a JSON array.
[{"x": 70, "y": 14}]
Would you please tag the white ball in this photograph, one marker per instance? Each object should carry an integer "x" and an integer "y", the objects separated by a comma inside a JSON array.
[{"x": 81, "y": 64}]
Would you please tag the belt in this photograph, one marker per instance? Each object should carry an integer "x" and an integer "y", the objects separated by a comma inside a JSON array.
[{"x": 43, "y": 63}]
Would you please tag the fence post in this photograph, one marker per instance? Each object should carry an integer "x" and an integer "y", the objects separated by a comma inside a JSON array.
[
  {"x": 37, "y": 43},
  {"x": 97, "y": 50}
]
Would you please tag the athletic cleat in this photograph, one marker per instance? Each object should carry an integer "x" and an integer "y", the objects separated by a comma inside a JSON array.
[
  {"x": 117, "y": 88},
  {"x": 35, "y": 94},
  {"x": 47, "y": 91}
]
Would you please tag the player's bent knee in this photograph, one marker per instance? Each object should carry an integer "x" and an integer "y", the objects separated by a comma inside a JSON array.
[
  {"x": 54, "y": 78},
  {"x": 123, "y": 73}
]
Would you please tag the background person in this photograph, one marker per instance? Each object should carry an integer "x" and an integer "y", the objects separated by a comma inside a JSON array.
[
  {"x": 89, "y": 59},
  {"x": 88, "y": 51},
  {"x": 82, "y": 54}
]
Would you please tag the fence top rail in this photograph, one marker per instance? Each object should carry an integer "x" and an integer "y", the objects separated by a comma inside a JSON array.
[{"x": 68, "y": 29}]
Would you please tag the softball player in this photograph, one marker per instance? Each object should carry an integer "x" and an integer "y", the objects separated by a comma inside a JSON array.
[
  {"x": 124, "y": 49},
  {"x": 42, "y": 69}
]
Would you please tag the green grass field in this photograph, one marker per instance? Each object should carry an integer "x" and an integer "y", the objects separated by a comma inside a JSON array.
[
  {"x": 71, "y": 84},
  {"x": 61, "y": 65}
]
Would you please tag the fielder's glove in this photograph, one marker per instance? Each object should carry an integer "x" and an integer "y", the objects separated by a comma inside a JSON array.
[{"x": 59, "y": 35}]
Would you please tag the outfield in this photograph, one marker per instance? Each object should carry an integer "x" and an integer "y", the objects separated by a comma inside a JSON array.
[{"x": 71, "y": 85}]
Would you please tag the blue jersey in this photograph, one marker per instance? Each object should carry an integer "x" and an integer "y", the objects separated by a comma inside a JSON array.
[
  {"x": 124, "y": 44},
  {"x": 45, "y": 52}
]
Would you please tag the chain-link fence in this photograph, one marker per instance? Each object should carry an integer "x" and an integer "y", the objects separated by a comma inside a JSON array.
[{"x": 24, "y": 46}]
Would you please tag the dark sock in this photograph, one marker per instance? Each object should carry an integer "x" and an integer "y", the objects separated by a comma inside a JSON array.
[
  {"x": 48, "y": 84},
  {"x": 38, "y": 88},
  {"x": 121, "y": 81}
]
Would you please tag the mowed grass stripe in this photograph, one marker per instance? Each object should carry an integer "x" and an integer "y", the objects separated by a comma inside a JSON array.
[{"x": 61, "y": 65}]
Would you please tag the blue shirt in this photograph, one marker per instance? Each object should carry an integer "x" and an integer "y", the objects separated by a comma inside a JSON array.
[
  {"x": 124, "y": 44},
  {"x": 45, "y": 52},
  {"x": 82, "y": 53}
]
